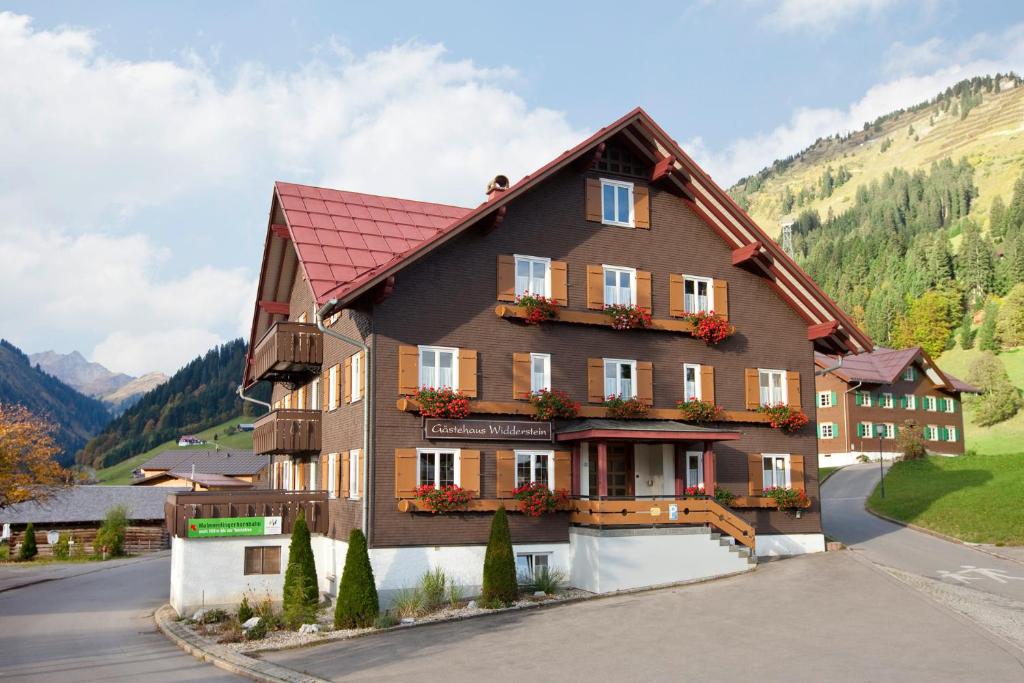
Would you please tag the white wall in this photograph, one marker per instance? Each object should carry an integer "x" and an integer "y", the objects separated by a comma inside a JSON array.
[
  {"x": 778, "y": 545},
  {"x": 844, "y": 459}
]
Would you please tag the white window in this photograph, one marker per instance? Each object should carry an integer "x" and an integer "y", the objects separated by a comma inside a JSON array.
[
  {"x": 775, "y": 469},
  {"x": 827, "y": 430},
  {"x": 439, "y": 367},
  {"x": 865, "y": 398},
  {"x": 286, "y": 476},
  {"x": 534, "y": 467},
  {"x": 694, "y": 469},
  {"x": 300, "y": 399},
  {"x": 691, "y": 382},
  {"x": 332, "y": 475},
  {"x": 773, "y": 386},
  {"x": 314, "y": 482},
  {"x": 332, "y": 388},
  {"x": 697, "y": 294},
  {"x": 438, "y": 468},
  {"x": 911, "y": 401},
  {"x": 354, "y": 472},
  {"x": 909, "y": 375},
  {"x": 619, "y": 286},
  {"x": 314, "y": 394},
  {"x": 357, "y": 377},
  {"x": 533, "y": 275},
  {"x": 889, "y": 430},
  {"x": 931, "y": 432},
  {"x": 824, "y": 399},
  {"x": 540, "y": 371},
  {"x": 930, "y": 403},
  {"x": 885, "y": 401},
  {"x": 951, "y": 434},
  {"x": 619, "y": 378},
  {"x": 950, "y": 405},
  {"x": 528, "y": 563},
  {"x": 616, "y": 203},
  {"x": 287, "y": 401}
]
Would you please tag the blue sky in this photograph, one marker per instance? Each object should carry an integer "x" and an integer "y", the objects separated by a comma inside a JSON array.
[{"x": 142, "y": 139}]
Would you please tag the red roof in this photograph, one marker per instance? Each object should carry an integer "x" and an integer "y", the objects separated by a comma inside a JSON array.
[{"x": 344, "y": 238}]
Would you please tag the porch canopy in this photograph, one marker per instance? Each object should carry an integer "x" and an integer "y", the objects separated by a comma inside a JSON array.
[{"x": 664, "y": 431}]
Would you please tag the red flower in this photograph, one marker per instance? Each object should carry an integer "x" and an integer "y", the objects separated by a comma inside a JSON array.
[
  {"x": 538, "y": 308},
  {"x": 536, "y": 498},
  {"x": 445, "y": 499},
  {"x": 625, "y": 408},
  {"x": 696, "y": 410},
  {"x": 709, "y": 328},
  {"x": 553, "y": 405},
  {"x": 785, "y": 417},
  {"x": 628, "y": 316},
  {"x": 443, "y": 403}
]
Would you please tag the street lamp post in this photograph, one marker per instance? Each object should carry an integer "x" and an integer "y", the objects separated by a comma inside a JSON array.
[{"x": 880, "y": 431}]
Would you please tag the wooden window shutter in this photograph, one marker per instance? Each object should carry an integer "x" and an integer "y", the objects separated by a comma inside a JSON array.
[
  {"x": 707, "y": 383},
  {"x": 405, "y": 472},
  {"x": 560, "y": 282},
  {"x": 595, "y": 287},
  {"x": 324, "y": 472},
  {"x": 520, "y": 375},
  {"x": 720, "y": 289},
  {"x": 359, "y": 472},
  {"x": 361, "y": 356},
  {"x": 343, "y": 491},
  {"x": 595, "y": 380},
  {"x": 593, "y": 200},
  {"x": 645, "y": 382},
  {"x": 643, "y": 289},
  {"x": 793, "y": 388},
  {"x": 563, "y": 470},
  {"x": 796, "y": 472},
  {"x": 339, "y": 379},
  {"x": 752, "y": 389},
  {"x": 346, "y": 381},
  {"x": 467, "y": 372},
  {"x": 676, "y": 300},
  {"x": 506, "y": 473},
  {"x": 506, "y": 278},
  {"x": 755, "y": 473},
  {"x": 641, "y": 207},
  {"x": 408, "y": 370},
  {"x": 469, "y": 471},
  {"x": 324, "y": 390}
]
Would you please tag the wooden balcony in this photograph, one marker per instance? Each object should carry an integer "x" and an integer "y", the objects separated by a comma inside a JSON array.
[
  {"x": 289, "y": 352},
  {"x": 287, "y": 432},
  {"x": 179, "y": 508}
]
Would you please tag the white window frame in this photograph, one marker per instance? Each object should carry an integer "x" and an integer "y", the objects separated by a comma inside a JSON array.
[
  {"x": 784, "y": 385},
  {"x": 888, "y": 430},
  {"x": 437, "y": 368},
  {"x": 437, "y": 469},
  {"x": 618, "y": 270},
  {"x": 831, "y": 430},
  {"x": 356, "y": 377},
  {"x": 286, "y": 402},
  {"x": 354, "y": 456},
  {"x": 909, "y": 375},
  {"x": 700, "y": 468},
  {"x": 618, "y": 184},
  {"x": 931, "y": 404},
  {"x": 545, "y": 358},
  {"x": 532, "y": 260},
  {"x": 786, "y": 463},
  {"x": 865, "y": 399},
  {"x": 531, "y": 561},
  {"x": 696, "y": 373},
  {"x": 887, "y": 401},
  {"x": 950, "y": 406},
  {"x": 932, "y": 433},
  {"x": 300, "y": 399},
  {"x": 825, "y": 399},
  {"x": 951, "y": 434},
  {"x": 869, "y": 433},
  {"x": 314, "y": 481},
  {"x": 711, "y": 291},
  {"x": 314, "y": 394},
  {"x": 619, "y": 362},
  {"x": 286, "y": 475},
  {"x": 332, "y": 389},
  {"x": 533, "y": 453},
  {"x": 332, "y": 475},
  {"x": 911, "y": 401}
]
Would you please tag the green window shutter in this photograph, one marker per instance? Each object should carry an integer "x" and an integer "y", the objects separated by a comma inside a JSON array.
[
  {"x": 903, "y": 401},
  {"x": 820, "y": 436},
  {"x": 895, "y": 431},
  {"x": 835, "y": 398},
  {"x": 835, "y": 430},
  {"x": 942, "y": 404},
  {"x": 860, "y": 429},
  {"x": 856, "y": 398},
  {"x": 942, "y": 433}
]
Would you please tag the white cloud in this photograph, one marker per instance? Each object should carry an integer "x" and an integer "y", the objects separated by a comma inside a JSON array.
[
  {"x": 822, "y": 16},
  {"x": 924, "y": 71},
  {"x": 100, "y": 152}
]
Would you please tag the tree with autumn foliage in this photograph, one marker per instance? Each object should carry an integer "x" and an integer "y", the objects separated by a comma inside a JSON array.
[
  {"x": 28, "y": 468},
  {"x": 929, "y": 322}
]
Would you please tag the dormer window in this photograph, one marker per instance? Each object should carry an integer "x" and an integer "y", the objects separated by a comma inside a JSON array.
[
  {"x": 909, "y": 375},
  {"x": 618, "y": 160},
  {"x": 616, "y": 203}
]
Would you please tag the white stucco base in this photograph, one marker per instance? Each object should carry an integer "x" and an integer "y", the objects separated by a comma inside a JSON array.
[
  {"x": 779, "y": 545},
  {"x": 610, "y": 560},
  {"x": 852, "y": 458}
]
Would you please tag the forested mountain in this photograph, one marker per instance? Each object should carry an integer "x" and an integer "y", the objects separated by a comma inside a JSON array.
[
  {"x": 200, "y": 395},
  {"x": 78, "y": 417}
]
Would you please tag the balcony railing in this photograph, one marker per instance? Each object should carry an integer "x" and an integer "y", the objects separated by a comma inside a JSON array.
[
  {"x": 179, "y": 508},
  {"x": 287, "y": 432},
  {"x": 289, "y": 352}
]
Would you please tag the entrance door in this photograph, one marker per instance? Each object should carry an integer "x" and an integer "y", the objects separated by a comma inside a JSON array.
[{"x": 620, "y": 470}]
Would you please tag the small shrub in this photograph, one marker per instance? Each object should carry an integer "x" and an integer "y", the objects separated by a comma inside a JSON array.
[
  {"x": 724, "y": 496},
  {"x": 495, "y": 603},
  {"x": 910, "y": 441},
  {"x": 5, "y": 551},
  {"x": 245, "y": 612},
  {"x": 28, "y": 543},
  {"x": 358, "y": 604},
  {"x": 110, "y": 537},
  {"x": 553, "y": 405},
  {"x": 62, "y": 548},
  {"x": 625, "y": 408},
  {"x": 547, "y": 580},
  {"x": 77, "y": 549},
  {"x": 258, "y": 632},
  {"x": 408, "y": 603},
  {"x": 265, "y": 611},
  {"x": 385, "y": 620},
  {"x": 433, "y": 588},
  {"x": 301, "y": 594},
  {"x": 214, "y": 616},
  {"x": 456, "y": 595},
  {"x": 231, "y": 631},
  {"x": 500, "y": 584},
  {"x": 863, "y": 458}
]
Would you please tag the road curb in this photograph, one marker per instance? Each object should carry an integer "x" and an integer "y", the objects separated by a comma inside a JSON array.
[
  {"x": 940, "y": 535},
  {"x": 224, "y": 658}
]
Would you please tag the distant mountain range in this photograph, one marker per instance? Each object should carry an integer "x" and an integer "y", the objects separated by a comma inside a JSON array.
[
  {"x": 78, "y": 417},
  {"x": 116, "y": 389}
]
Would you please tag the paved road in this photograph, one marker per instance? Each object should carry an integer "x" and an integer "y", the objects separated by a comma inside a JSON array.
[
  {"x": 844, "y": 518},
  {"x": 830, "y": 617},
  {"x": 96, "y": 626}
]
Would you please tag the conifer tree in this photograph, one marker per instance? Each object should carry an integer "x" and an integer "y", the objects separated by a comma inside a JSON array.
[
  {"x": 500, "y": 584},
  {"x": 358, "y": 604},
  {"x": 987, "y": 340},
  {"x": 301, "y": 594},
  {"x": 28, "y": 543}
]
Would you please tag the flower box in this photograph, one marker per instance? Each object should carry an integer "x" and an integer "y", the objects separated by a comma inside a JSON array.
[
  {"x": 709, "y": 328},
  {"x": 445, "y": 499},
  {"x": 536, "y": 499},
  {"x": 628, "y": 316},
  {"x": 553, "y": 405},
  {"x": 696, "y": 410},
  {"x": 784, "y": 417},
  {"x": 625, "y": 408},
  {"x": 538, "y": 308},
  {"x": 442, "y": 403}
]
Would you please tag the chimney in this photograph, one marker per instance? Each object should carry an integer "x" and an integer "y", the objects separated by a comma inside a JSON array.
[{"x": 496, "y": 186}]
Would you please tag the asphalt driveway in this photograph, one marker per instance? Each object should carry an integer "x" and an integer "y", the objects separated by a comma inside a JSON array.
[{"x": 828, "y": 617}]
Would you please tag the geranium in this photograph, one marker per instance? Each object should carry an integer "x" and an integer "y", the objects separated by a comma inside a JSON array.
[
  {"x": 444, "y": 402},
  {"x": 785, "y": 417},
  {"x": 788, "y": 499},
  {"x": 724, "y": 496},
  {"x": 709, "y": 328},
  {"x": 625, "y": 408},
  {"x": 536, "y": 499},
  {"x": 445, "y": 499},
  {"x": 696, "y": 410},
  {"x": 538, "y": 308},
  {"x": 694, "y": 491},
  {"x": 628, "y": 316},
  {"x": 553, "y": 404}
]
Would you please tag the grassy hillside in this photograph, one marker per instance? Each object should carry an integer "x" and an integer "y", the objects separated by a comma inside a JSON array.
[
  {"x": 121, "y": 473},
  {"x": 1005, "y": 437},
  {"x": 990, "y": 136}
]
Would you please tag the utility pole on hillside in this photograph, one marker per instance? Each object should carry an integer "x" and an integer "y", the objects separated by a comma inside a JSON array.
[{"x": 787, "y": 236}]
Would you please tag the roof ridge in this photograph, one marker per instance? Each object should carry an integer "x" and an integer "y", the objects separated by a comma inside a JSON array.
[{"x": 372, "y": 194}]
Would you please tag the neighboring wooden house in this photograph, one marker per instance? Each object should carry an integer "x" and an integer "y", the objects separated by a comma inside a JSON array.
[
  {"x": 189, "y": 440},
  {"x": 202, "y": 470},
  {"x": 864, "y": 403}
]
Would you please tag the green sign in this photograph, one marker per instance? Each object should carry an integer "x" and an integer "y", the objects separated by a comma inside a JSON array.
[{"x": 234, "y": 526}]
